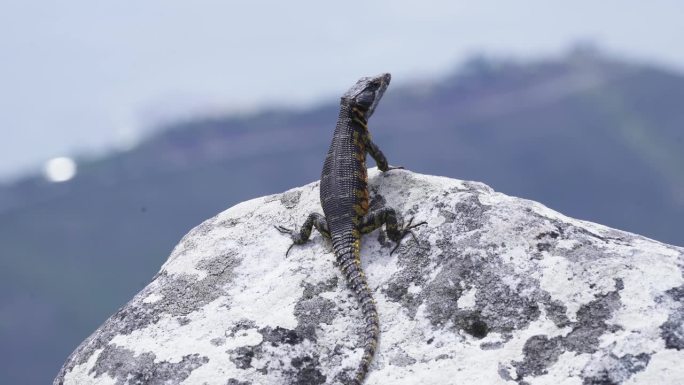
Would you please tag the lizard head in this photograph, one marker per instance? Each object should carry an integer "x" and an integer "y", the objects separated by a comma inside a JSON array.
[{"x": 367, "y": 92}]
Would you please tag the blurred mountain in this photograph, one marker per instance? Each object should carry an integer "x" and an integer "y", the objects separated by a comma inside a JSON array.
[{"x": 591, "y": 136}]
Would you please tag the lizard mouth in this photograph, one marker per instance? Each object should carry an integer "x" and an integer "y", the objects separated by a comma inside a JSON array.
[{"x": 384, "y": 80}]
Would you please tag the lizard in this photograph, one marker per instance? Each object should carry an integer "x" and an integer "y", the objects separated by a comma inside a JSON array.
[{"x": 345, "y": 201}]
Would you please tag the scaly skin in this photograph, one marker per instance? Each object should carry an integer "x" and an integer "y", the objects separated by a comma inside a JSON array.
[{"x": 344, "y": 197}]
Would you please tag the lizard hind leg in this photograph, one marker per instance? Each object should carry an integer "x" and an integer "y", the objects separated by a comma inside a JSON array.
[
  {"x": 388, "y": 216},
  {"x": 302, "y": 236}
]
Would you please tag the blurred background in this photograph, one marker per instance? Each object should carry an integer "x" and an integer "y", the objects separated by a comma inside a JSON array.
[{"x": 124, "y": 124}]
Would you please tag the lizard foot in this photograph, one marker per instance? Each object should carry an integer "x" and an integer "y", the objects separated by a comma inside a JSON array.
[
  {"x": 285, "y": 230},
  {"x": 407, "y": 230}
]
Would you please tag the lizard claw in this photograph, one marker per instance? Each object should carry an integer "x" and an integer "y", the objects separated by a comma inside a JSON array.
[
  {"x": 395, "y": 248},
  {"x": 285, "y": 230},
  {"x": 410, "y": 226},
  {"x": 288, "y": 249},
  {"x": 282, "y": 229},
  {"x": 407, "y": 230}
]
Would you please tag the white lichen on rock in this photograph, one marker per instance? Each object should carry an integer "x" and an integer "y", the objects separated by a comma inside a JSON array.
[{"x": 493, "y": 290}]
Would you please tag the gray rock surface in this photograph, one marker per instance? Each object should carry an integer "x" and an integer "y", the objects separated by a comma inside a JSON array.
[{"x": 496, "y": 290}]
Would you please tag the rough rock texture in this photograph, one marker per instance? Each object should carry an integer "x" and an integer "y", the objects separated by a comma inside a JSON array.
[{"x": 496, "y": 290}]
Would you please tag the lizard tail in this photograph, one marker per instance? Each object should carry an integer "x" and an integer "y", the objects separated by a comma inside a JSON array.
[{"x": 351, "y": 269}]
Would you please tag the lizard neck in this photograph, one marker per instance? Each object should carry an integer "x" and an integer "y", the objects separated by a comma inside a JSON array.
[
  {"x": 354, "y": 116},
  {"x": 358, "y": 117}
]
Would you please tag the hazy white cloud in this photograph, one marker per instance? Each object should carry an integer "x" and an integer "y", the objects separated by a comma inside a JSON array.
[{"x": 69, "y": 69}]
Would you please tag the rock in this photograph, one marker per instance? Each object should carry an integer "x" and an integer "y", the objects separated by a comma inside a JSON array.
[{"x": 493, "y": 290}]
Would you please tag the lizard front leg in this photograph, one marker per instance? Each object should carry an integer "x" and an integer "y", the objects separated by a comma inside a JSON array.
[
  {"x": 298, "y": 238},
  {"x": 387, "y": 216},
  {"x": 377, "y": 155}
]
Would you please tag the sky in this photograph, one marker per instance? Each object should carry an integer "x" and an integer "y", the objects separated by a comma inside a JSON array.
[{"x": 80, "y": 77}]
